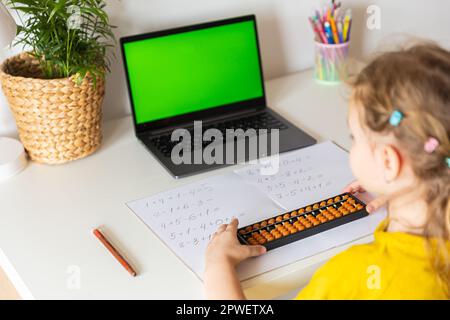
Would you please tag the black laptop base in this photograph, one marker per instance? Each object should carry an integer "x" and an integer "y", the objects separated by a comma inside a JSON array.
[{"x": 290, "y": 138}]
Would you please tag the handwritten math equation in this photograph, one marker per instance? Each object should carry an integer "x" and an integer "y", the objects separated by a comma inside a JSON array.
[{"x": 187, "y": 217}]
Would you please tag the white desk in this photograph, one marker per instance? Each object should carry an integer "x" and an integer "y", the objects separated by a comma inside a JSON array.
[{"x": 47, "y": 213}]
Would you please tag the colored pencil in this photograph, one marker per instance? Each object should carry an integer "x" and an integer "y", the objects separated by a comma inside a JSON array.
[
  {"x": 114, "y": 252},
  {"x": 339, "y": 22}
]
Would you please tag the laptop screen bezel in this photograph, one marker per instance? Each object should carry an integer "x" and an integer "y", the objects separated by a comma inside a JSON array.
[{"x": 256, "y": 103}]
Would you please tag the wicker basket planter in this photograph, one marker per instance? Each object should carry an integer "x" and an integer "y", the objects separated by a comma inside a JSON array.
[{"x": 58, "y": 121}]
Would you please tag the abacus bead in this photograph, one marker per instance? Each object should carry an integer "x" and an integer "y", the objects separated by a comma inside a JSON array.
[
  {"x": 308, "y": 208},
  {"x": 323, "y": 204},
  {"x": 301, "y": 211},
  {"x": 242, "y": 231},
  {"x": 286, "y": 216},
  {"x": 345, "y": 196},
  {"x": 279, "y": 218},
  {"x": 359, "y": 206},
  {"x": 330, "y": 201},
  {"x": 248, "y": 229},
  {"x": 262, "y": 241},
  {"x": 264, "y": 224},
  {"x": 316, "y": 206},
  {"x": 271, "y": 221},
  {"x": 256, "y": 226},
  {"x": 293, "y": 213},
  {"x": 337, "y": 199}
]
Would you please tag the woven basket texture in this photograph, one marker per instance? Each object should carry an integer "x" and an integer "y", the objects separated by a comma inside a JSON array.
[{"x": 58, "y": 120}]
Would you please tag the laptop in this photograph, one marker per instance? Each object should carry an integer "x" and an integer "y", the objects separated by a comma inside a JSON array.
[{"x": 203, "y": 78}]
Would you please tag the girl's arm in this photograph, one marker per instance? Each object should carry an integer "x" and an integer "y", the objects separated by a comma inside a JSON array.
[{"x": 224, "y": 252}]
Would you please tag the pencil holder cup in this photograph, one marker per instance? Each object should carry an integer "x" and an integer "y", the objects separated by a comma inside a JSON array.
[{"x": 331, "y": 62}]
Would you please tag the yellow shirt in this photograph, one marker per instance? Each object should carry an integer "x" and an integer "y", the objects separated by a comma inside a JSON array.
[{"x": 395, "y": 266}]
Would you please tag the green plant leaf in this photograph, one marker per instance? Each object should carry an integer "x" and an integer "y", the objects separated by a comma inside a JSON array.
[{"x": 62, "y": 51}]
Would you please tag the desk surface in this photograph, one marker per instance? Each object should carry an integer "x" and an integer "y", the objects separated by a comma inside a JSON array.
[{"x": 47, "y": 213}]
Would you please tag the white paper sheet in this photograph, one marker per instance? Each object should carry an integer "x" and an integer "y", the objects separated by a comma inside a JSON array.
[
  {"x": 184, "y": 218},
  {"x": 305, "y": 176}
]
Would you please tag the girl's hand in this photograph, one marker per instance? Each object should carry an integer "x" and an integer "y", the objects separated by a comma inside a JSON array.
[
  {"x": 224, "y": 252},
  {"x": 224, "y": 247},
  {"x": 372, "y": 206}
]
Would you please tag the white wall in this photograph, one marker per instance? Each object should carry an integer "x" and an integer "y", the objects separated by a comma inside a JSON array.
[{"x": 286, "y": 38}]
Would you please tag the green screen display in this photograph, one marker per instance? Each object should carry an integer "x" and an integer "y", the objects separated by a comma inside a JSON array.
[{"x": 196, "y": 70}]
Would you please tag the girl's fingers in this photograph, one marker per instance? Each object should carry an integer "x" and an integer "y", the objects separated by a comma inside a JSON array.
[
  {"x": 376, "y": 204},
  {"x": 254, "y": 251},
  {"x": 350, "y": 187},
  {"x": 354, "y": 187},
  {"x": 221, "y": 228},
  {"x": 233, "y": 225}
]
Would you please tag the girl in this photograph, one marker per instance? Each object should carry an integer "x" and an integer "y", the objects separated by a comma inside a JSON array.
[{"x": 399, "y": 118}]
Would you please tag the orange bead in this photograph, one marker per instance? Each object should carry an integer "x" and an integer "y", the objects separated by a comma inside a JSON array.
[
  {"x": 262, "y": 241},
  {"x": 293, "y": 213}
]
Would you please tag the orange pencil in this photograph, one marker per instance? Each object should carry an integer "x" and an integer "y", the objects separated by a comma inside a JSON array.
[
  {"x": 114, "y": 252},
  {"x": 334, "y": 30}
]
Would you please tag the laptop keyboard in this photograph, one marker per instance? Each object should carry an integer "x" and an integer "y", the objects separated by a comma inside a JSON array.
[{"x": 260, "y": 121}]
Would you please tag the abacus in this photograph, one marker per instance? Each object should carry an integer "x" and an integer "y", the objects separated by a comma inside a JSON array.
[{"x": 303, "y": 222}]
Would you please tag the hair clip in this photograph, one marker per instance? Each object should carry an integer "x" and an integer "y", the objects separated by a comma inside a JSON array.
[
  {"x": 396, "y": 118},
  {"x": 448, "y": 162},
  {"x": 430, "y": 145}
]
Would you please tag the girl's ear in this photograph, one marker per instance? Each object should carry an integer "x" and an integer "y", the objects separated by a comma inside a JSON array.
[{"x": 392, "y": 163}]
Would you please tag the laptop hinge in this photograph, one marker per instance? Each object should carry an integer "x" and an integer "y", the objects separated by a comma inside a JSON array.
[{"x": 209, "y": 120}]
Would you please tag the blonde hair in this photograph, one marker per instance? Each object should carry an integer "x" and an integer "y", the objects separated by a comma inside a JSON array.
[{"x": 416, "y": 81}]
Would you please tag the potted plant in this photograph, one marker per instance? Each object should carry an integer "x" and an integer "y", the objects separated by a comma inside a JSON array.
[{"x": 55, "y": 90}]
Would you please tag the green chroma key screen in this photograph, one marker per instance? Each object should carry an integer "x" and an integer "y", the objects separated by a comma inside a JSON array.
[{"x": 191, "y": 71}]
